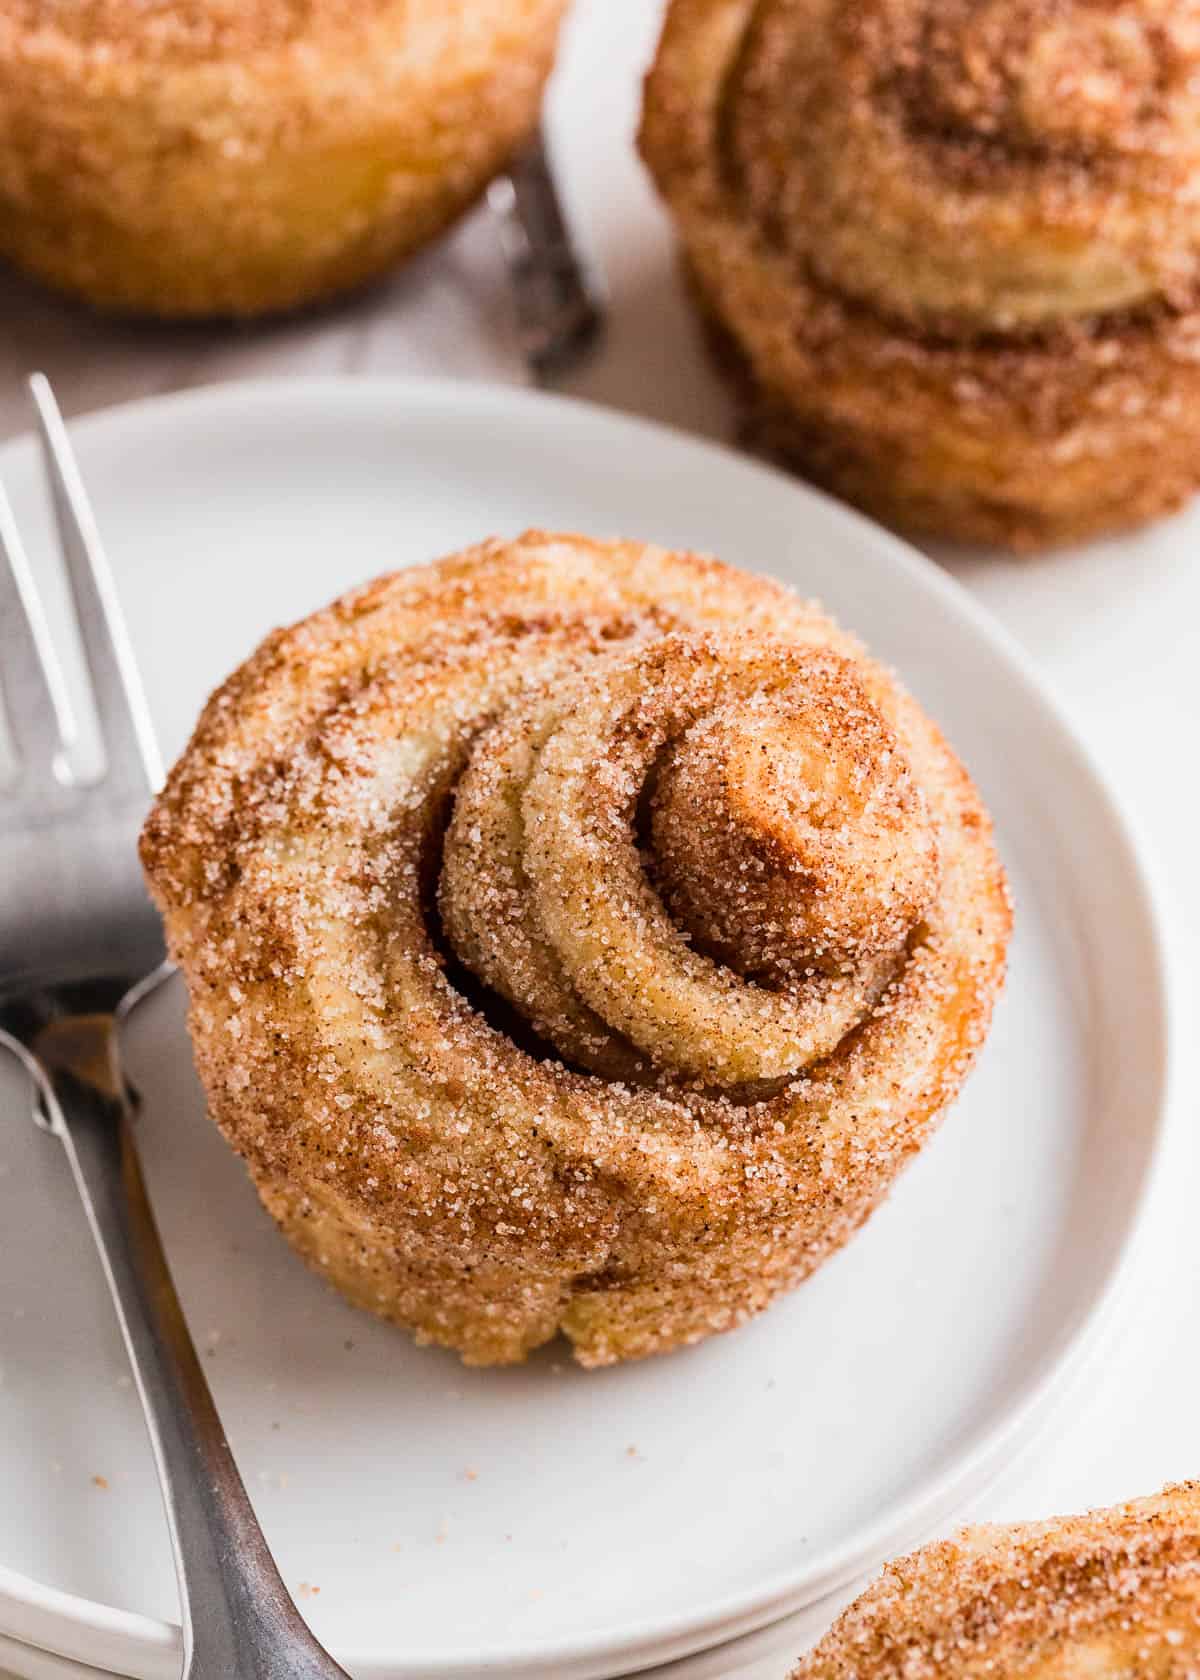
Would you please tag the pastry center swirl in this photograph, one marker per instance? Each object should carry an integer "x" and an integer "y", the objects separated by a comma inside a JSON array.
[
  {"x": 701, "y": 859},
  {"x": 974, "y": 166},
  {"x": 1087, "y": 76}
]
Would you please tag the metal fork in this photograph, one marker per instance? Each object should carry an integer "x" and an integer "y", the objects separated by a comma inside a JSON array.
[
  {"x": 79, "y": 944},
  {"x": 560, "y": 313}
]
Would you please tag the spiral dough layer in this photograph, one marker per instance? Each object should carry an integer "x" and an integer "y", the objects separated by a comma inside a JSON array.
[
  {"x": 951, "y": 250},
  {"x": 1111, "y": 1595},
  {"x": 579, "y": 937}
]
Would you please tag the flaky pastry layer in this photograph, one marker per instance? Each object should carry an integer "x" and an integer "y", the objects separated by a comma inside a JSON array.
[
  {"x": 950, "y": 253},
  {"x": 480, "y": 1075},
  {"x": 1109, "y": 1596}
]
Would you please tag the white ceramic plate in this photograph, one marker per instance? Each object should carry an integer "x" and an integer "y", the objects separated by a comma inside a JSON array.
[{"x": 543, "y": 1521}]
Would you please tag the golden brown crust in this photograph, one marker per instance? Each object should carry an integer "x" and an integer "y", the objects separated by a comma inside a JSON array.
[
  {"x": 951, "y": 253},
  {"x": 789, "y": 833},
  {"x": 1112, "y": 1594},
  {"x": 477, "y": 738},
  {"x": 230, "y": 158},
  {"x": 189, "y": 32}
]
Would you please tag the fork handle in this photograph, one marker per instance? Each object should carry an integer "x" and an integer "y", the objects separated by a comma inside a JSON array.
[
  {"x": 239, "y": 1622},
  {"x": 560, "y": 314}
]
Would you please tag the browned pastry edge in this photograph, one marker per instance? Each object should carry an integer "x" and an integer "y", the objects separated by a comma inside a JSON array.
[
  {"x": 412, "y": 1144},
  {"x": 1109, "y": 1595},
  {"x": 235, "y": 161},
  {"x": 1026, "y": 440}
]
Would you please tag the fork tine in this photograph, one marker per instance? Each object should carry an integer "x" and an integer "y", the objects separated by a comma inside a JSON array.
[
  {"x": 130, "y": 750},
  {"x": 35, "y": 696}
]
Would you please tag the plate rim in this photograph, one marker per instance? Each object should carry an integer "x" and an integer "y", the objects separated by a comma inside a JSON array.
[{"x": 87, "y": 1631}]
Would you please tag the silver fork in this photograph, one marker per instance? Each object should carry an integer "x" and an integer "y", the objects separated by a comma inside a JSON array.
[
  {"x": 79, "y": 944},
  {"x": 560, "y": 312}
]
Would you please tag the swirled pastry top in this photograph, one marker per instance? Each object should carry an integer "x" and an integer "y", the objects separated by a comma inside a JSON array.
[
  {"x": 958, "y": 165},
  {"x": 1110, "y": 1595},
  {"x": 592, "y": 899}
]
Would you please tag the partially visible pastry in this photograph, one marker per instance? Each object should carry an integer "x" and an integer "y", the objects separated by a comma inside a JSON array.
[
  {"x": 949, "y": 251},
  {"x": 236, "y": 157},
  {"x": 1114, "y": 1595},
  {"x": 580, "y": 937}
]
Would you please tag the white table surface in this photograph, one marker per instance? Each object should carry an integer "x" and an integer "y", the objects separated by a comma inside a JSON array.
[{"x": 1114, "y": 628}]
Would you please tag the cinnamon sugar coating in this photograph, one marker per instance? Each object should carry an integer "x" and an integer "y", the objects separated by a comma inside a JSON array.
[
  {"x": 789, "y": 833},
  {"x": 950, "y": 252},
  {"x": 237, "y": 157},
  {"x": 1110, "y": 1595},
  {"x": 481, "y": 1077}
]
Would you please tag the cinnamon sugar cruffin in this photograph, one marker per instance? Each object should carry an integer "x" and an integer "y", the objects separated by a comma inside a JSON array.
[
  {"x": 233, "y": 157},
  {"x": 1109, "y": 1595},
  {"x": 951, "y": 252},
  {"x": 407, "y": 865}
]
